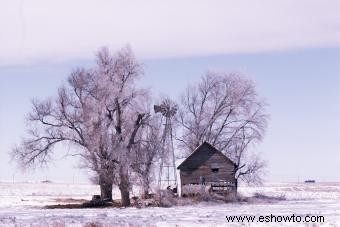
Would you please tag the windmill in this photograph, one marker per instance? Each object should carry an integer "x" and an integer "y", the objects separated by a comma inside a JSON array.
[{"x": 167, "y": 172}]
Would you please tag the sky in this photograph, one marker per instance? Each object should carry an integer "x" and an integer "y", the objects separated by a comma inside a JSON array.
[{"x": 291, "y": 49}]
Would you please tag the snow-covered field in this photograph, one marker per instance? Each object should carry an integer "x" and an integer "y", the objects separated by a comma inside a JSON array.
[{"x": 22, "y": 204}]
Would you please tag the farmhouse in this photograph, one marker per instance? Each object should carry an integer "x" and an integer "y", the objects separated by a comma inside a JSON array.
[{"x": 208, "y": 166}]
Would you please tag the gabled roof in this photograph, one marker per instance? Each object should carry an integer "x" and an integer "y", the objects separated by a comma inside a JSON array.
[{"x": 198, "y": 148}]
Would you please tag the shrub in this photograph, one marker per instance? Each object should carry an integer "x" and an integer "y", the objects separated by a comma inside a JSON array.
[
  {"x": 165, "y": 198},
  {"x": 93, "y": 224}
]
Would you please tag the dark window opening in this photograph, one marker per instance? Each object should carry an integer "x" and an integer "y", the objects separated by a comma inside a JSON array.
[{"x": 214, "y": 170}]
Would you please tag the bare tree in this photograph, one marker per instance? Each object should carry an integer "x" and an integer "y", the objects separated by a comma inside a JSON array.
[
  {"x": 100, "y": 111},
  {"x": 125, "y": 113},
  {"x": 145, "y": 153},
  {"x": 249, "y": 166},
  {"x": 224, "y": 110}
]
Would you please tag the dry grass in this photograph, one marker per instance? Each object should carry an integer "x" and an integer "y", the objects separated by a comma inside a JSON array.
[
  {"x": 166, "y": 198},
  {"x": 261, "y": 198}
]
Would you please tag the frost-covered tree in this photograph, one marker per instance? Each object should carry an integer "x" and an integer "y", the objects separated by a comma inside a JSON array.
[
  {"x": 145, "y": 154},
  {"x": 99, "y": 111},
  {"x": 224, "y": 110}
]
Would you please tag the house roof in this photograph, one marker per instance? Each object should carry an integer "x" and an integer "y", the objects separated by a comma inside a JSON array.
[{"x": 198, "y": 148}]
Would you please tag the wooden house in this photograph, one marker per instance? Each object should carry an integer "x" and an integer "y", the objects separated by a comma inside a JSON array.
[{"x": 209, "y": 166}]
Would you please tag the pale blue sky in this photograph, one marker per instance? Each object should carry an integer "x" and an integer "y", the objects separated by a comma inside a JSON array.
[
  {"x": 302, "y": 88},
  {"x": 290, "y": 48}
]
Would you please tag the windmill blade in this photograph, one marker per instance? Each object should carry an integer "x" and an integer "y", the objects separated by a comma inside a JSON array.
[{"x": 157, "y": 108}]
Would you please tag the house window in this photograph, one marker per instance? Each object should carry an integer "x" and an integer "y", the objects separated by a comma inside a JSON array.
[
  {"x": 214, "y": 170},
  {"x": 214, "y": 167}
]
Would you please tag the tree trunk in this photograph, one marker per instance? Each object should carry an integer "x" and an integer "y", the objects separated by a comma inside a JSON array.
[
  {"x": 105, "y": 187},
  {"x": 236, "y": 186},
  {"x": 106, "y": 191},
  {"x": 124, "y": 187},
  {"x": 125, "y": 195},
  {"x": 145, "y": 189}
]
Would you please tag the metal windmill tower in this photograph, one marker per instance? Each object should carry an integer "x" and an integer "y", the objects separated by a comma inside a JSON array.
[{"x": 167, "y": 171}]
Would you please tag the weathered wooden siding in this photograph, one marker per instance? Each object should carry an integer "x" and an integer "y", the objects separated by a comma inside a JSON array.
[{"x": 201, "y": 164}]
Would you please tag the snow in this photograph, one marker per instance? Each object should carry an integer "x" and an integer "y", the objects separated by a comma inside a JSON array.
[{"x": 22, "y": 204}]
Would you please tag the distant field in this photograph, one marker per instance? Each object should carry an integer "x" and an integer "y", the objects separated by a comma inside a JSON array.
[{"x": 22, "y": 204}]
